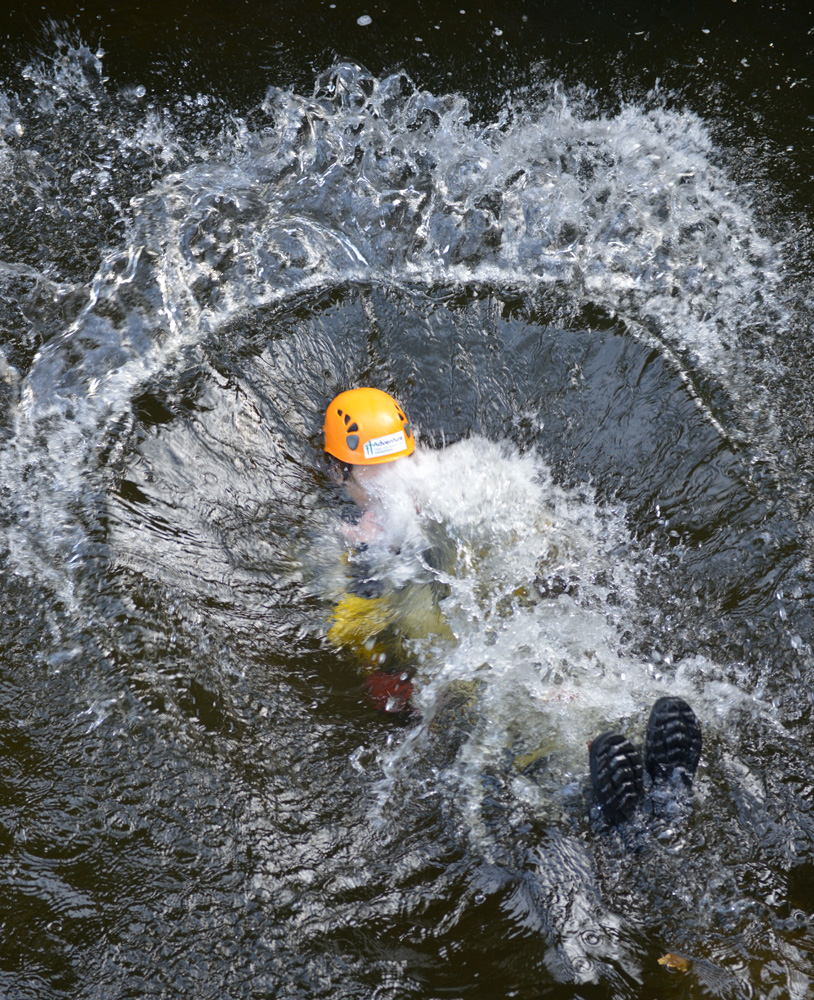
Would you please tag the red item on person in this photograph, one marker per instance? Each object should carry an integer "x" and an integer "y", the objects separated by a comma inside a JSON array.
[{"x": 389, "y": 692}]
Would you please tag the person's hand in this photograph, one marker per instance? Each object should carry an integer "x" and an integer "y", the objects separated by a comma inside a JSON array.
[{"x": 366, "y": 530}]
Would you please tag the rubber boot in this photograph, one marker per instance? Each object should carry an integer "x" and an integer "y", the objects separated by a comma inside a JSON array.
[
  {"x": 673, "y": 740},
  {"x": 616, "y": 775}
]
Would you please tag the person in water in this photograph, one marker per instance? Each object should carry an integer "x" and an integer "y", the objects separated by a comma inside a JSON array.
[{"x": 366, "y": 429}]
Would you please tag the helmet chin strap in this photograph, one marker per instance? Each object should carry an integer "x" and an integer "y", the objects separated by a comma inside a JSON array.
[{"x": 339, "y": 472}]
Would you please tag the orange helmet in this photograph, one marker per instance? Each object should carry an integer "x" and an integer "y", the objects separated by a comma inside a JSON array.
[{"x": 367, "y": 427}]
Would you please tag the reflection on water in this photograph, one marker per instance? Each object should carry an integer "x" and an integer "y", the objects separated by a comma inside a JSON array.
[{"x": 573, "y": 308}]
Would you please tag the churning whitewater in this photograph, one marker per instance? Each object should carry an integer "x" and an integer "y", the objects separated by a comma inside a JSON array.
[
  {"x": 368, "y": 180},
  {"x": 571, "y": 303}
]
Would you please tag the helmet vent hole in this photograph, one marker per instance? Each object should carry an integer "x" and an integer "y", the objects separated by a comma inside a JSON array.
[{"x": 353, "y": 429}]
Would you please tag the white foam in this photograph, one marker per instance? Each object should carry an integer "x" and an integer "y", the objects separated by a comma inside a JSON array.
[
  {"x": 368, "y": 179},
  {"x": 542, "y": 586},
  {"x": 537, "y": 583}
]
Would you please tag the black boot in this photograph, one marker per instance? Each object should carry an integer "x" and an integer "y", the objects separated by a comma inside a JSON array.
[
  {"x": 617, "y": 776},
  {"x": 673, "y": 740}
]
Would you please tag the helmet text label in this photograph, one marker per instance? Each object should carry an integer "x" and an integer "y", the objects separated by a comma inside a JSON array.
[{"x": 387, "y": 445}]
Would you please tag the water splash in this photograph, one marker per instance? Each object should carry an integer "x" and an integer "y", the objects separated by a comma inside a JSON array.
[
  {"x": 368, "y": 179},
  {"x": 168, "y": 295}
]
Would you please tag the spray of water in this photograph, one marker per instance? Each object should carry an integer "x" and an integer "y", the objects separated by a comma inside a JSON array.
[
  {"x": 188, "y": 257},
  {"x": 367, "y": 179}
]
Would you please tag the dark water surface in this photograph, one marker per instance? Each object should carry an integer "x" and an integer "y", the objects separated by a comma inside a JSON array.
[{"x": 575, "y": 241}]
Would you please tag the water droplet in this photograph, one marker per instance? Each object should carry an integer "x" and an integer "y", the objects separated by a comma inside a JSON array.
[{"x": 364, "y": 20}]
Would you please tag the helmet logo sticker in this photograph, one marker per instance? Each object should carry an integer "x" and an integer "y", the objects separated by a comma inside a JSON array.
[{"x": 387, "y": 445}]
